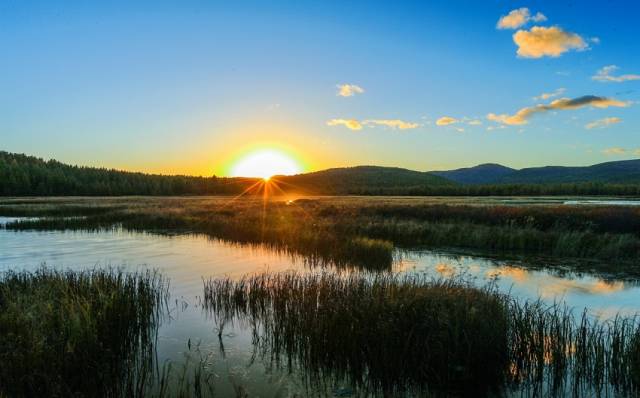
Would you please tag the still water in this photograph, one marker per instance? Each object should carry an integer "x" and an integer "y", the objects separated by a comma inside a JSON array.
[{"x": 187, "y": 259}]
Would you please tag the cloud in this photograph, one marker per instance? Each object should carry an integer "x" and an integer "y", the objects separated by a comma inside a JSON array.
[
  {"x": 552, "y": 42},
  {"x": 446, "y": 120},
  {"x": 354, "y": 124},
  {"x": 600, "y": 123},
  {"x": 519, "y": 17},
  {"x": 474, "y": 122},
  {"x": 349, "y": 90},
  {"x": 351, "y": 124},
  {"x": 522, "y": 116},
  {"x": 546, "y": 96},
  {"x": 393, "y": 123},
  {"x": 604, "y": 75},
  {"x": 614, "y": 151}
]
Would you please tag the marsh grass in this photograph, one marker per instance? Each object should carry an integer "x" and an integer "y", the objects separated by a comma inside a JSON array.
[
  {"x": 88, "y": 333},
  {"x": 391, "y": 335},
  {"x": 386, "y": 334},
  {"x": 357, "y": 231}
]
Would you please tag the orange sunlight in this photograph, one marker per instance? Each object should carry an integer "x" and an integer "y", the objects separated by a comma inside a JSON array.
[{"x": 265, "y": 163}]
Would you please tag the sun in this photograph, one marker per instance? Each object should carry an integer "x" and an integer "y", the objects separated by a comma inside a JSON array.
[{"x": 265, "y": 163}]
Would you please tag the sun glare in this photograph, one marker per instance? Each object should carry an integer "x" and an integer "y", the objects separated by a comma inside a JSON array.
[{"x": 265, "y": 163}]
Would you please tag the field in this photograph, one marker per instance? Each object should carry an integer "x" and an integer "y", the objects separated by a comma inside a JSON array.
[{"x": 358, "y": 230}]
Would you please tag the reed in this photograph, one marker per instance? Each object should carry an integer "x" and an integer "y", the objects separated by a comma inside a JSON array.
[
  {"x": 391, "y": 335},
  {"x": 88, "y": 333},
  {"x": 387, "y": 334},
  {"x": 358, "y": 231}
]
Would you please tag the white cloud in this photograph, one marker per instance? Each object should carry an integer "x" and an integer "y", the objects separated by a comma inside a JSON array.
[
  {"x": 474, "y": 122},
  {"x": 523, "y": 115},
  {"x": 614, "y": 151},
  {"x": 446, "y": 120},
  {"x": 351, "y": 124},
  {"x": 600, "y": 123},
  {"x": 541, "y": 41},
  {"x": 354, "y": 124},
  {"x": 519, "y": 17},
  {"x": 393, "y": 123},
  {"x": 349, "y": 90},
  {"x": 553, "y": 94},
  {"x": 605, "y": 75}
]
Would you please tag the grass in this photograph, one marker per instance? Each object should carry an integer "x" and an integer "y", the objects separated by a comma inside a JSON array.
[
  {"x": 389, "y": 335},
  {"x": 357, "y": 231},
  {"x": 87, "y": 333}
]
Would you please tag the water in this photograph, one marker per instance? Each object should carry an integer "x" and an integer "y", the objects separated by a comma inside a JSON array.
[{"x": 186, "y": 260}]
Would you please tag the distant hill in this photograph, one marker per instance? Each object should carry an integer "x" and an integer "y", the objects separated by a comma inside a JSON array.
[
  {"x": 22, "y": 175},
  {"x": 624, "y": 171},
  {"x": 363, "y": 180},
  {"x": 618, "y": 172},
  {"x": 487, "y": 173}
]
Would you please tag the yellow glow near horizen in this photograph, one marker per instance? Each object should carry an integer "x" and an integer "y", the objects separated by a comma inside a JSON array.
[{"x": 265, "y": 163}]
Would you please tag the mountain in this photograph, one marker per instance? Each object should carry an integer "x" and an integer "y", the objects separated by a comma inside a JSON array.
[
  {"x": 618, "y": 172},
  {"x": 363, "y": 179},
  {"x": 22, "y": 175},
  {"x": 624, "y": 171},
  {"x": 487, "y": 173}
]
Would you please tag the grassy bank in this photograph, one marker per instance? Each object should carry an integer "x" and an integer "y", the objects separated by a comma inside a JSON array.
[
  {"x": 360, "y": 231},
  {"x": 85, "y": 333},
  {"x": 391, "y": 335}
]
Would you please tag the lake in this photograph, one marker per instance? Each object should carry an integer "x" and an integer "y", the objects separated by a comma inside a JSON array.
[{"x": 187, "y": 259}]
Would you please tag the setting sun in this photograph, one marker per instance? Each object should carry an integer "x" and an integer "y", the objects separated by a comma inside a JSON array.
[{"x": 265, "y": 163}]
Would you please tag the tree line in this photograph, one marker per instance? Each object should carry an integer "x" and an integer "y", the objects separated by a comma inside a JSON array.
[{"x": 22, "y": 175}]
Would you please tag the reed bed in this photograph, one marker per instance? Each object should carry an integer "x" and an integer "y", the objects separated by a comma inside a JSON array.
[
  {"x": 88, "y": 333},
  {"x": 391, "y": 335},
  {"x": 357, "y": 231},
  {"x": 385, "y": 334}
]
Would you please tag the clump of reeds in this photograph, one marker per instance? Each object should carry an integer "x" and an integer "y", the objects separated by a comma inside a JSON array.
[
  {"x": 384, "y": 333},
  {"x": 558, "y": 353},
  {"x": 389, "y": 334},
  {"x": 88, "y": 333}
]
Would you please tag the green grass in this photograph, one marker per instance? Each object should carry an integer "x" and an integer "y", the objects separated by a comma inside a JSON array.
[
  {"x": 87, "y": 333},
  {"x": 386, "y": 334},
  {"x": 357, "y": 231},
  {"x": 389, "y": 335}
]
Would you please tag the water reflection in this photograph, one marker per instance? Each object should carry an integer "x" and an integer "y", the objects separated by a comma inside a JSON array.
[{"x": 603, "y": 296}]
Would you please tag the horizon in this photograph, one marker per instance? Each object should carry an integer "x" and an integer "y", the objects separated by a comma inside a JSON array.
[
  {"x": 203, "y": 89},
  {"x": 328, "y": 168}
]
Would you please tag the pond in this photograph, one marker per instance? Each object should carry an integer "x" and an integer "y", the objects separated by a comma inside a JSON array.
[{"x": 188, "y": 259}]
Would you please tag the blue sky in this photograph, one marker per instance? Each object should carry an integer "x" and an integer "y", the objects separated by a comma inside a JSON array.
[{"x": 183, "y": 87}]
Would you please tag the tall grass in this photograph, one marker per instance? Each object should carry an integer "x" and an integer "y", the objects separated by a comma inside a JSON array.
[
  {"x": 391, "y": 335},
  {"x": 387, "y": 334},
  {"x": 88, "y": 333},
  {"x": 359, "y": 232}
]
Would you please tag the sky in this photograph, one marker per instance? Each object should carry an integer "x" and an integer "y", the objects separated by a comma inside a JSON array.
[{"x": 190, "y": 87}]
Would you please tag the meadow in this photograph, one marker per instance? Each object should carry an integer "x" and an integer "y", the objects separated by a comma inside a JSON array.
[{"x": 357, "y": 230}]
